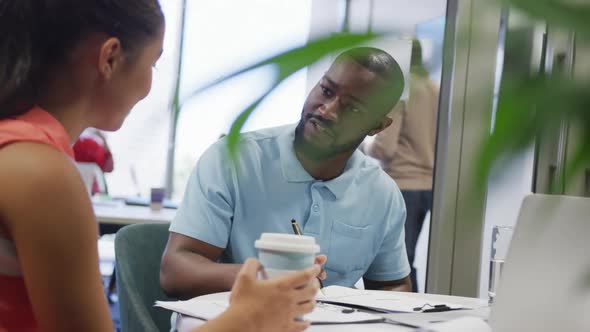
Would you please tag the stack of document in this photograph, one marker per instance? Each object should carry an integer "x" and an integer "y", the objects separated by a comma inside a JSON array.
[
  {"x": 210, "y": 306},
  {"x": 387, "y": 302}
]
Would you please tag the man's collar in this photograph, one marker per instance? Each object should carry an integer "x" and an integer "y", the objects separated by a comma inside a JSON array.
[{"x": 293, "y": 171}]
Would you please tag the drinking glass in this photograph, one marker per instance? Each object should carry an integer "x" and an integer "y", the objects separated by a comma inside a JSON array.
[{"x": 501, "y": 236}]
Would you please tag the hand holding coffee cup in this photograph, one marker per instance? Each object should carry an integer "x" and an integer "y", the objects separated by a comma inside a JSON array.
[
  {"x": 275, "y": 305},
  {"x": 281, "y": 254},
  {"x": 321, "y": 261}
]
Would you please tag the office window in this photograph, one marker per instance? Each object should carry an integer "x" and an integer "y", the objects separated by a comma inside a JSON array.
[
  {"x": 221, "y": 36},
  {"x": 139, "y": 147}
]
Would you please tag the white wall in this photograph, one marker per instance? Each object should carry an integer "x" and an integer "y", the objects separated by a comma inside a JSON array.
[{"x": 403, "y": 15}]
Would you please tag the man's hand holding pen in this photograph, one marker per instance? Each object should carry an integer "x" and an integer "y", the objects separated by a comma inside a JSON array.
[{"x": 321, "y": 260}]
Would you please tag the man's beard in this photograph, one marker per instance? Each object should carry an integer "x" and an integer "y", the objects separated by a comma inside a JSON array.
[{"x": 314, "y": 152}]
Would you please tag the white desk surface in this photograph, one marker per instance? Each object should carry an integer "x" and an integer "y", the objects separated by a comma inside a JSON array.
[
  {"x": 185, "y": 324},
  {"x": 122, "y": 214}
]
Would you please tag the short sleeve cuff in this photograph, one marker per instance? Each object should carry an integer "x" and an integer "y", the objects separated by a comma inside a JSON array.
[
  {"x": 207, "y": 236},
  {"x": 388, "y": 276}
]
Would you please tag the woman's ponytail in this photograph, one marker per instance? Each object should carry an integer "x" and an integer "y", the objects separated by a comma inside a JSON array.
[{"x": 19, "y": 46}]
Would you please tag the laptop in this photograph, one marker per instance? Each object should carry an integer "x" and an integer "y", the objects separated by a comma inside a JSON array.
[{"x": 545, "y": 285}]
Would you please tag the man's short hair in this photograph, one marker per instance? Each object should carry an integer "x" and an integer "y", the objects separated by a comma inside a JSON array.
[{"x": 381, "y": 63}]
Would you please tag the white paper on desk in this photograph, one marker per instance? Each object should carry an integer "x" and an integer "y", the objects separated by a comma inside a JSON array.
[
  {"x": 201, "y": 309},
  {"x": 209, "y": 307},
  {"x": 376, "y": 300},
  {"x": 463, "y": 324},
  {"x": 426, "y": 319}
]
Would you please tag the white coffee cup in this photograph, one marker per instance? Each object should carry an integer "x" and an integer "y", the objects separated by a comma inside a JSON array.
[{"x": 280, "y": 253}]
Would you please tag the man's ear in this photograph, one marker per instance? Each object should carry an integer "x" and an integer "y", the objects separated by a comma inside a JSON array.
[
  {"x": 386, "y": 122},
  {"x": 110, "y": 57}
]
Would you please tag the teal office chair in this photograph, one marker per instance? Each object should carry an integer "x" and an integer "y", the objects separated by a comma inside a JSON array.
[{"x": 138, "y": 251}]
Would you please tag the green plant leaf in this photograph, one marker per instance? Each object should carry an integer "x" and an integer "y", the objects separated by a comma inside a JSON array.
[
  {"x": 514, "y": 126},
  {"x": 580, "y": 158},
  {"x": 528, "y": 108},
  {"x": 233, "y": 138}
]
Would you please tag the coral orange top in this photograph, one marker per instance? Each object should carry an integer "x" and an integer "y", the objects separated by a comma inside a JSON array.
[{"x": 36, "y": 125}]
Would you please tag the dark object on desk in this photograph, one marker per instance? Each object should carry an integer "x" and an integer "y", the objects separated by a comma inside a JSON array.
[
  {"x": 441, "y": 309},
  {"x": 435, "y": 308},
  {"x": 140, "y": 201}
]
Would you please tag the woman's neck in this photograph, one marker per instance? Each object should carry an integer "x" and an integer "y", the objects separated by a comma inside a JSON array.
[
  {"x": 70, "y": 117},
  {"x": 71, "y": 110}
]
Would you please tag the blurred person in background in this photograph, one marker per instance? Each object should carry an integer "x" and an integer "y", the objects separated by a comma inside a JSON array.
[{"x": 405, "y": 150}]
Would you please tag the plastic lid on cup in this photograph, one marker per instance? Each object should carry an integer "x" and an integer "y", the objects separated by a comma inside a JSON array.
[{"x": 287, "y": 243}]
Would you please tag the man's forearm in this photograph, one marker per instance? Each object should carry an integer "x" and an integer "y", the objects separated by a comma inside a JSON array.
[
  {"x": 185, "y": 275},
  {"x": 401, "y": 285},
  {"x": 399, "y": 288}
]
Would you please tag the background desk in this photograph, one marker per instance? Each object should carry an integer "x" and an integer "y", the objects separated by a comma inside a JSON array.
[
  {"x": 185, "y": 324},
  {"x": 120, "y": 214}
]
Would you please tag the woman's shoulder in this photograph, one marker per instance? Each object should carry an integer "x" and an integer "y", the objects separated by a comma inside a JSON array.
[
  {"x": 35, "y": 125},
  {"x": 15, "y": 130},
  {"x": 30, "y": 164},
  {"x": 36, "y": 179},
  {"x": 34, "y": 159}
]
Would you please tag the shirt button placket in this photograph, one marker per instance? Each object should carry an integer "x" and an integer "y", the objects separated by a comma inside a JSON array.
[{"x": 316, "y": 207}]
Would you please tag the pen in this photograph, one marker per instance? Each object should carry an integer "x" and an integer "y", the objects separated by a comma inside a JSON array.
[
  {"x": 296, "y": 228},
  {"x": 297, "y": 231}
]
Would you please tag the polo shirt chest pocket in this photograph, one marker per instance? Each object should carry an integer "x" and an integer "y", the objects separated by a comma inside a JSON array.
[{"x": 351, "y": 247}]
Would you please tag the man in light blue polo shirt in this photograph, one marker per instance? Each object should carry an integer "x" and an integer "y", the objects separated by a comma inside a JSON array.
[{"x": 312, "y": 173}]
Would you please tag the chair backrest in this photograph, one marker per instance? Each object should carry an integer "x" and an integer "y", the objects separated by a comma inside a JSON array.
[
  {"x": 138, "y": 251},
  {"x": 545, "y": 283}
]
